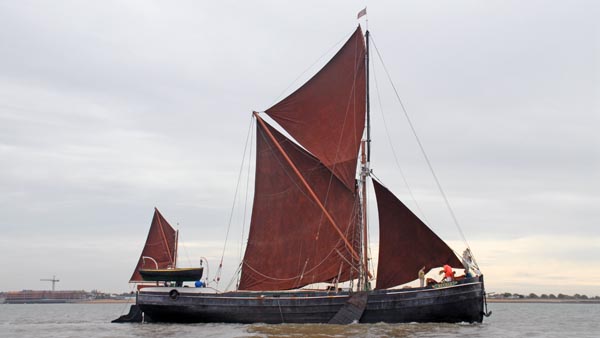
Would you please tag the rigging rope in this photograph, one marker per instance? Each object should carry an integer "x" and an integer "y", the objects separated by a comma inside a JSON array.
[
  {"x": 237, "y": 273},
  {"x": 309, "y": 68},
  {"x": 304, "y": 272},
  {"x": 220, "y": 268},
  {"x": 389, "y": 139},
  {"x": 182, "y": 244},
  {"x": 414, "y": 132},
  {"x": 246, "y": 195}
]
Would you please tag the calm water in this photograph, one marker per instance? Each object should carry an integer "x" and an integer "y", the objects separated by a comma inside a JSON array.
[{"x": 93, "y": 321}]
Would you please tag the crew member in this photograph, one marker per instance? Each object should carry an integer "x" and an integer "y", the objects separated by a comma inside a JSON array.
[
  {"x": 448, "y": 273},
  {"x": 422, "y": 276}
]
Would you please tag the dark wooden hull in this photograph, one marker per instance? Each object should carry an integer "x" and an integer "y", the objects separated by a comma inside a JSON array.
[
  {"x": 462, "y": 302},
  {"x": 172, "y": 275}
]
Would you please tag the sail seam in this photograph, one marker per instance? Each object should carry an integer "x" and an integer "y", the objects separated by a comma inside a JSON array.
[{"x": 164, "y": 237}]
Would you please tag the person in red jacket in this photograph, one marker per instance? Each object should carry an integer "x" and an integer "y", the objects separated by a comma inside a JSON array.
[{"x": 448, "y": 273}]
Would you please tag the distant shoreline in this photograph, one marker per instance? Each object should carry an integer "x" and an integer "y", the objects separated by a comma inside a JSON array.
[
  {"x": 107, "y": 301},
  {"x": 533, "y": 300}
]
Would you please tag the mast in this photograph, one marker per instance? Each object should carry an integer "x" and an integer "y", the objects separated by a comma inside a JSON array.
[
  {"x": 363, "y": 222},
  {"x": 365, "y": 172},
  {"x": 368, "y": 100}
]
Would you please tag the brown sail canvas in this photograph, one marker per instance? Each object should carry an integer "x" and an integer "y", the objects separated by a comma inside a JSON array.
[
  {"x": 327, "y": 114},
  {"x": 160, "y": 245},
  {"x": 291, "y": 243},
  {"x": 406, "y": 244}
]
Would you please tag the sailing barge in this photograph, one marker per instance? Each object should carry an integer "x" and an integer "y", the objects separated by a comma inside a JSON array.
[{"x": 309, "y": 219}]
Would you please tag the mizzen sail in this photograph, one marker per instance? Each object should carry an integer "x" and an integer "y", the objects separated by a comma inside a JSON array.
[{"x": 161, "y": 245}]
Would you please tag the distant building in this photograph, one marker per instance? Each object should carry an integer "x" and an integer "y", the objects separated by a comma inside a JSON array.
[{"x": 37, "y": 297}]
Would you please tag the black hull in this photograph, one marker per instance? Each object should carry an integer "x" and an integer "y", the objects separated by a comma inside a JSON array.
[
  {"x": 462, "y": 302},
  {"x": 172, "y": 275}
]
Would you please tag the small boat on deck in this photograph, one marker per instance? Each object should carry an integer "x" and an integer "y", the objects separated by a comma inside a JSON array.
[
  {"x": 177, "y": 275},
  {"x": 161, "y": 249}
]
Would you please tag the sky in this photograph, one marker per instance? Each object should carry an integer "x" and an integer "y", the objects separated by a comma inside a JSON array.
[{"x": 109, "y": 109}]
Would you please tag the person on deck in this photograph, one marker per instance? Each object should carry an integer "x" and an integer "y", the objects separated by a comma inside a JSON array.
[
  {"x": 422, "y": 276},
  {"x": 448, "y": 273}
]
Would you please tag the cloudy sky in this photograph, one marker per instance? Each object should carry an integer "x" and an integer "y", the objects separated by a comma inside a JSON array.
[{"x": 108, "y": 109}]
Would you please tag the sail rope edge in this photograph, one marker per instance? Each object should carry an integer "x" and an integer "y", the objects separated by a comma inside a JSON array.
[
  {"x": 421, "y": 147},
  {"x": 220, "y": 268}
]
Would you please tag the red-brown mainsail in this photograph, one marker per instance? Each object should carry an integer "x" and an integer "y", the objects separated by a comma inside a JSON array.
[{"x": 291, "y": 243}]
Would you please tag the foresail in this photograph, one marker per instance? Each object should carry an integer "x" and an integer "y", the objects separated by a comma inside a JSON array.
[
  {"x": 406, "y": 244},
  {"x": 327, "y": 114},
  {"x": 160, "y": 246},
  {"x": 291, "y": 244}
]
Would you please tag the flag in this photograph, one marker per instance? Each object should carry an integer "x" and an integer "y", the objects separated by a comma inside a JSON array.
[{"x": 361, "y": 13}]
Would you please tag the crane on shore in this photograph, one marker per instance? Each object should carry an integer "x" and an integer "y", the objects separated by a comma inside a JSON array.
[{"x": 53, "y": 280}]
